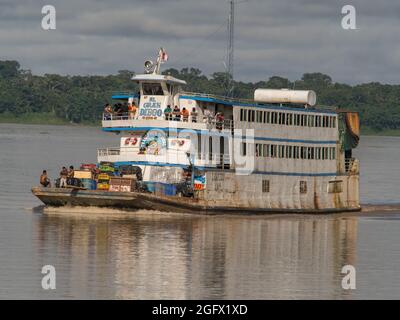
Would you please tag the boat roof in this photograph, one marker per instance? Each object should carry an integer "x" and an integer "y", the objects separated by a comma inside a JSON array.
[{"x": 157, "y": 77}]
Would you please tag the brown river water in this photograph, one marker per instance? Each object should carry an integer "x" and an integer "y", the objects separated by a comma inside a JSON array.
[{"x": 108, "y": 254}]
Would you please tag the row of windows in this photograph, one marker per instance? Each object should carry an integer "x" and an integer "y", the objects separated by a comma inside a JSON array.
[
  {"x": 291, "y": 152},
  {"x": 289, "y": 119},
  {"x": 333, "y": 186}
]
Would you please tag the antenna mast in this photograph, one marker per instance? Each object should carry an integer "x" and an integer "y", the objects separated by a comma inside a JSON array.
[{"x": 230, "y": 49}]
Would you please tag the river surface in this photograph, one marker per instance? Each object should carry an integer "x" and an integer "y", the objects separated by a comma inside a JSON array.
[{"x": 151, "y": 255}]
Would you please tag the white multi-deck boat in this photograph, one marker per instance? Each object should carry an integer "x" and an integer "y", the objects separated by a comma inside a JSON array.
[{"x": 276, "y": 153}]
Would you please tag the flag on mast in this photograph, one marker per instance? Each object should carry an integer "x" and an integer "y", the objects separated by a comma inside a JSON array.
[{"x": 163, "y": 55}]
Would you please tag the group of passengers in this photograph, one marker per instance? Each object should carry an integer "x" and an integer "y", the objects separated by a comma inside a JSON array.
[
  {"x": 65, "y": 177},
  {"x": 177, "y": 114},
  {"x": 123, "y": 111}
]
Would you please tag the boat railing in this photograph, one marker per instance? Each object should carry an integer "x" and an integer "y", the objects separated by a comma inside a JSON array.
[
  {"x": 211, "y": 122},
  {"x": 108, "y": 152},
  {"x": 221, "y": 160},
  {"x": 216, "y": 159},
  {"x": 216, "y": 97}
]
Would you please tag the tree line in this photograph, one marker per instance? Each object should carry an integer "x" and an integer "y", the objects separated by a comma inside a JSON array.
[{"x": 81, "y": 99}]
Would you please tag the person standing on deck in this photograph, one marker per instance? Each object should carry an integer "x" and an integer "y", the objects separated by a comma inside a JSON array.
[
  {"x": 168, "y": 113},
  {"x": 208, "y": 117},
  {"x": 70, "y": 175},
  {"x": 44, "y": 180},
  {"x": 177, "y": 114},
  {"x": 219, "y": 119},
  {"x": 108, "y": 112},
  {"x": 194, "y": 115},
  {"x": 185, "y": 115},
  {"x": 132, "y": 110},
  {"x": 63, "y": 177}
]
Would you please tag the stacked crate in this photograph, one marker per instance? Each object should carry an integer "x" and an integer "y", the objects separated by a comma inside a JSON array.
[
  {"x": 86, "y": 176},
  {"x": 118, "y": 184},
  {"x": 107, "y": 171}
]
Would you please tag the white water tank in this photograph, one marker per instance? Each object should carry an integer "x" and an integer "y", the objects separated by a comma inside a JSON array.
[{"x": 308, "y": 97}]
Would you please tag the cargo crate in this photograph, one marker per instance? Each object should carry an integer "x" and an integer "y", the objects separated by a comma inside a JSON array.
[
  {"x": 88, "y": 166},
  {"x": 83, "y": 174},
  {"x": 106, "y": 169},
  {"x": 103, "y": 176},
  {"x": 103, "y": 186},
  {"x": 115, "y": 188}
]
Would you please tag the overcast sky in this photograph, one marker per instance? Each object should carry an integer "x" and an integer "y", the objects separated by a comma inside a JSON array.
[{"x": 285, "y": 37}]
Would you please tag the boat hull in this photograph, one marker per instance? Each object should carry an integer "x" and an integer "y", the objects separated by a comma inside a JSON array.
[{"x": 67, "y": 197}]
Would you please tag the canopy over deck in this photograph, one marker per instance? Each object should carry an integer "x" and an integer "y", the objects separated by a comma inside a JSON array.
[{"x": 157, "y": 78}]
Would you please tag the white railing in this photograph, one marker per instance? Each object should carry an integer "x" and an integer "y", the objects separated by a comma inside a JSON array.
[
  {"x": 213, "y": 159},
  {"x": 108, "y": 152},
  {"x": 216, "y": 97},
  {"x": 211, "y": 122},
  {"x": 218, "y": 159}
]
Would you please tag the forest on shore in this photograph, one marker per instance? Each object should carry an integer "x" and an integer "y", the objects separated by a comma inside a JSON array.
[{"x": 58, "y": 99}]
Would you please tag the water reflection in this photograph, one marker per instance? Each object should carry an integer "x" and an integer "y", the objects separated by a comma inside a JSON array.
[{"x": 159, "y": 256}]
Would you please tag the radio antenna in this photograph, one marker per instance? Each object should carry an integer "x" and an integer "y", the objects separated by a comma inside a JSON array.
[{"x": 230, "y": 48}]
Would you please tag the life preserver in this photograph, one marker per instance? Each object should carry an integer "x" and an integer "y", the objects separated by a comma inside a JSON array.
[
  {"x": 131, "y": 141},
  {"x": 181, "y": 142}
]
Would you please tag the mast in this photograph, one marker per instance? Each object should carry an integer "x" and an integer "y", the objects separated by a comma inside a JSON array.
[{"x": 230, "y": 48}]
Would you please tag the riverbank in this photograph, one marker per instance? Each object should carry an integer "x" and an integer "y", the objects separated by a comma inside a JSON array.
[{"x": 41, "y": 119}]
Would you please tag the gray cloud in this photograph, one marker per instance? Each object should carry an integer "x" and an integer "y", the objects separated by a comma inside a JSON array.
[{"x": 283, "y": 37}]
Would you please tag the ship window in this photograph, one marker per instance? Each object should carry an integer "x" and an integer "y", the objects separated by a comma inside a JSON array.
[
  {"x": 290, "y": 119},
  {"x": 311, "y": 121},
  {"x": 318, "y": 121},
  {"x": 335, "y": 186},
  {"x": 170, "y": 88},
  {"x": 333, "y": 153},
  {"x": 273, "y": 117},
  {"x": 281, "y": 151},
  {"x": 303, "y": 186},
  {"x": 265, "y": 186},
  {"x": 243, "y": 150},
  {"x": 318, "y": 153},
  {"x": 273, "y": 151},
  {"x": 288, "y": 152},
  {"x": 296, "y": 152},
  {"x": 265, "y": 150},
  {"x": 152, "y": 89},
  {"x": 251, "y": 116},
  {"x": 259, "y": 116},
  {"x": 241, "y": 114},
  {"x": 334, "y": 122},
  {"x": 310, "y": 152},
  {"x": 302, "y": 152},
  {"x": 258, "y": 150}
]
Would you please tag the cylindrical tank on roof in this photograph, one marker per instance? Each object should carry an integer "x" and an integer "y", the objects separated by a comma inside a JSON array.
[{"x": 308, "y": 97}]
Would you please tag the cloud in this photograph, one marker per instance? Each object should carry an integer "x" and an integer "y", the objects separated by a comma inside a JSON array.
[{"x": 283, "y": 37}]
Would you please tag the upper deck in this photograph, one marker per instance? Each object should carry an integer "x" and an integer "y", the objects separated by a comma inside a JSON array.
[{"x": 152, "y": 115}]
